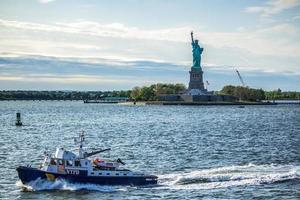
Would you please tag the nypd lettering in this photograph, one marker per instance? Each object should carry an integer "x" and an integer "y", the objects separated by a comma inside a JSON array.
[{"x": 72, "y": 171}]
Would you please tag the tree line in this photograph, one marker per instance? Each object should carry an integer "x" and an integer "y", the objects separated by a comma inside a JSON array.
[
  {"x": 243, "y": 93},
  {"x": 61, "y": 95},
  {"x": 278, "y": 94},
  {"x": 147, "y": 93},
  {"x": 251, "y": 94},
  {"x": 152, "y": 92}
]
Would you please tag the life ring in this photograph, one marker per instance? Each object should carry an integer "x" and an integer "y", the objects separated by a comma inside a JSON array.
[{"x": 97, "y": 161}]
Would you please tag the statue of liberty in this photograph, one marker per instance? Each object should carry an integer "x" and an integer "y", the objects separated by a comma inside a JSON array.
[{"x": 197, "y": 51}]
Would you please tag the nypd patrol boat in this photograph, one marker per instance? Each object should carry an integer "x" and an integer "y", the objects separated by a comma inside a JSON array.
[{"x": 78, "y": 168}]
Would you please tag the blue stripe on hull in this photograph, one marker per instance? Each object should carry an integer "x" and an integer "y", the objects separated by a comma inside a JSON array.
[{"x": 27, "y": 174}]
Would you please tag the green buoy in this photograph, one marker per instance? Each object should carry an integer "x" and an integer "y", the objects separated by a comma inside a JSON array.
[{"x": 18, "y": 120}]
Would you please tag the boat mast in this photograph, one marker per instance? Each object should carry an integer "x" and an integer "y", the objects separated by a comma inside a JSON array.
[{"x": 81, "y": 137}]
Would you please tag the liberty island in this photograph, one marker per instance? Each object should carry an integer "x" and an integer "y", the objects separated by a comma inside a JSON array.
[
  {"x": 196, "y": 93},
  {"x": 196, "y": 90}
]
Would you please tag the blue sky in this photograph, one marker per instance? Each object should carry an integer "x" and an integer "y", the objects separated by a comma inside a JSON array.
[{"x": 107, "y": 44}]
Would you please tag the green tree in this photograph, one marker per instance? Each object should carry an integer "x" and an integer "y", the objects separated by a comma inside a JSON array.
[
  {"x": 147, "y": 93},
  {"x": 244, "y": 93},
  {"x": 135, "y": 93},
  {"x": 228, "y": 90}
]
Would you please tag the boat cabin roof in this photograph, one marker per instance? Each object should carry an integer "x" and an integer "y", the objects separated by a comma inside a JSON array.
[{"x": 64, "y": 154}]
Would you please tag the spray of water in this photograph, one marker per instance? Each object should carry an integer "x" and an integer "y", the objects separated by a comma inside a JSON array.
[{"x": 60, "y": 184}]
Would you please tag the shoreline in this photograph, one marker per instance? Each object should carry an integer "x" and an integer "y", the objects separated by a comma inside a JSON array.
[
  {"x": 170, "y": 103},
  {"x": 208, "y": 103}
]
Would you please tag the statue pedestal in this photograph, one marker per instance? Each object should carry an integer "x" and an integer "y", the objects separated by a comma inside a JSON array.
[{"x": 196, "y": 80}]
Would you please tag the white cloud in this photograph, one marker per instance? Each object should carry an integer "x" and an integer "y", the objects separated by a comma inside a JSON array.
[
  {"x": 272, "y": 7},
  {"x": 239, "y": 39},
  {"x": 46, "y": 1},
  {"x": 264, "y": 47},
  {"x": 296, "y": 17},
  {"x": 71, "y": 78},
  {"x": 103, "y": 30}
]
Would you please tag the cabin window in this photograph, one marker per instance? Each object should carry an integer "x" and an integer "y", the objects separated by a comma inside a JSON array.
[
  {"x": 125, "y": 174},
  {"x": 107, "y": 173},
  {"x": 69, "y": 163},
  {"x": 60, "y": 162},
  {"x": 92, "y": 172},
  {"x": 117, "y": 174},
  {"x": 53, "y": 162},
  {"x": 77, "y": 163},
  {"x": 100, "y": 173}
]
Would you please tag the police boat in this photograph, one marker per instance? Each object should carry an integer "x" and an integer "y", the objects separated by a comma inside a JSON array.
[{"x": 78, "y": 168}]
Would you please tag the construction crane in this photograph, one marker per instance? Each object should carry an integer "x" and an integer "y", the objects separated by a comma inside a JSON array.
[{"x": 240, "y": 77}]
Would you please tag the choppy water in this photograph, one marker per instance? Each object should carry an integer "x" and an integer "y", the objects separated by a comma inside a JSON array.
[{"x": 197, "y": 152}]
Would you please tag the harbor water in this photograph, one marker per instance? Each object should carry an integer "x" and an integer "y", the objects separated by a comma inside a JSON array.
[{"x": 198, "y": 152}]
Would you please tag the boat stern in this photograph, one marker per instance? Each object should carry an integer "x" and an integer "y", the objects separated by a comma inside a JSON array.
[{"x": 151, "y": 180}]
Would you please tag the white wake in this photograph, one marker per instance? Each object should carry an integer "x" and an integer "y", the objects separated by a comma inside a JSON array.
[
  {"x": 213, "y": 178},
  {"x": 231, "y": 176}
]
